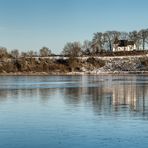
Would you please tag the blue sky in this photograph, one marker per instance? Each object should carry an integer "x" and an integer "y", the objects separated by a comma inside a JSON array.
[{"x": 32, "y": 24}]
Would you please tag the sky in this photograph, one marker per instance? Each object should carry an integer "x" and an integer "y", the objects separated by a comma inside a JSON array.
[{"x": 32, "y": 24}]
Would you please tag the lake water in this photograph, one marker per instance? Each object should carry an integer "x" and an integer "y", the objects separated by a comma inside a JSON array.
[{"x": 73, "y": 112}]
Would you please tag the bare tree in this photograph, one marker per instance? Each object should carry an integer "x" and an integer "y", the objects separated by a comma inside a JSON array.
[
  {"x": 134, "y": 36},
  {"x": 87, "y": 47},
  {"x": 15, "y": 53},
  {"x": 30, "y": 53},
  {"x": 143, "y": 35},
  {"x": 3, "y": 52},
  {"x": 97, "y": 42},
  {"x": 124, "y": 35},
  {"x": 45, "y": 51},
  {"x": 23, "y": 54},
  {"x": 109, "y": 38},
  {"x": 72, "y": 49}
]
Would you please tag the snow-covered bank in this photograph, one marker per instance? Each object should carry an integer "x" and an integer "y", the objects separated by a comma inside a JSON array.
[
  {"x": 76, "y": 66},
  {"x": 124, "y": 65}
]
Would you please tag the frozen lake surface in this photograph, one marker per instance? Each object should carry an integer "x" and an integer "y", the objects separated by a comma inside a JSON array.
[{"x": 73, "y": 111}]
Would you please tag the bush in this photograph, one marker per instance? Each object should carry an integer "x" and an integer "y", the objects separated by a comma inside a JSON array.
[
  {"x": 144, "y": 61},
  {"x": 96, "y": 62}
]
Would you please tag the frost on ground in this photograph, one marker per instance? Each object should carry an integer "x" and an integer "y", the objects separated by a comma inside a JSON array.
[{"x": 119, "y": 65}]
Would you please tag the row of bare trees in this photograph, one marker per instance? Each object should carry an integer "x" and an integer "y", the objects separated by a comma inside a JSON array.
[
  {"x": 104, "y": 42},
  {"x": 101, "y": 42},
  {"x": 43, "y": 52}
]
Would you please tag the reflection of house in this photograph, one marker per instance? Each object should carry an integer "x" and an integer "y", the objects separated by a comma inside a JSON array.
[
  {"x": 125, "y": 95},
  {"x": 130, "y": 95},
  {"x": 123, "y": 45}
]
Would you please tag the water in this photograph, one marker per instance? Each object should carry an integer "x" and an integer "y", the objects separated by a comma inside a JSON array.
[{"x": 73, "y": 111}]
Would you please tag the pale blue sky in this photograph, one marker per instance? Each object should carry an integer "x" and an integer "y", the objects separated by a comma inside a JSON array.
[{"x": 31, "y": 24}]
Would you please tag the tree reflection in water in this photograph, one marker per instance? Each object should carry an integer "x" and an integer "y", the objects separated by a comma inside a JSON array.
[
  {"x": 105, "y": 94},
  {"x": 129, "y": 94}
]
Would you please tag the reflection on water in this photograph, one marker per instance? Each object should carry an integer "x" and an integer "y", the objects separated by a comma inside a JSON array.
[
  {"x": 102, "y": 92},
  {"x": 76, "y": 108}
]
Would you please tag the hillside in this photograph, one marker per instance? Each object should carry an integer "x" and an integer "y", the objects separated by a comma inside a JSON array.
[{"x": 81, "y": 65}]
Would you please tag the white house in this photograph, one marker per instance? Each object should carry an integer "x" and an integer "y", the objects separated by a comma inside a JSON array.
[{"x": 123, "y": 45}]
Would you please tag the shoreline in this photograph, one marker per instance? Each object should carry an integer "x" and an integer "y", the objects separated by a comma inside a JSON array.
[{"x": 114, "y": 73}]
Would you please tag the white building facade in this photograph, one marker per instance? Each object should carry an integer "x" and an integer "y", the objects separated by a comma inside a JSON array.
[{"x": 123, "y": 45}]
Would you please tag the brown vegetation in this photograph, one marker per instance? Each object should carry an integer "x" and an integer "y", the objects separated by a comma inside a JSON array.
[{"x": 26, "y": 65}]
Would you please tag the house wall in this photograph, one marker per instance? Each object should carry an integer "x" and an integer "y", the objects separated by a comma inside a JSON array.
[{"x": 127, "y": 48}]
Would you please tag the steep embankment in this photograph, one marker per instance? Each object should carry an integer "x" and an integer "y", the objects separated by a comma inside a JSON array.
[
  {"x": 83, "y": 65},
  {"x": 125, "y": 65}
]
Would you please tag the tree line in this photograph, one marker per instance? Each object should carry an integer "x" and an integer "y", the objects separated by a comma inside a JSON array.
[
  {"x": 101, "y": 42},
  {"x": 43, "y": 52}
]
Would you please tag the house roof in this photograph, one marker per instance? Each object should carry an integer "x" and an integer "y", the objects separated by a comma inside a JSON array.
[{"x": 123, "y": 43}]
